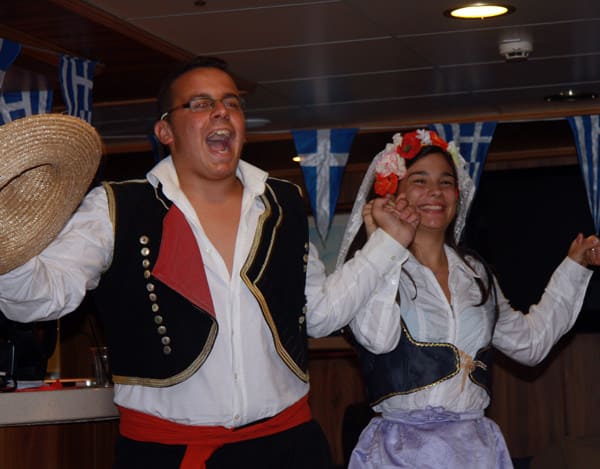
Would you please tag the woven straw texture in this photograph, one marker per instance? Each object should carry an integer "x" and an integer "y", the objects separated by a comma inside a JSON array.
[{"x": 47, "y": 163}]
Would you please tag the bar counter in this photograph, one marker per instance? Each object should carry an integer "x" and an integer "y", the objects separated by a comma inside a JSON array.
[
  {"x": 75, "y": 404},
  {"x": 69, "y": 428}
]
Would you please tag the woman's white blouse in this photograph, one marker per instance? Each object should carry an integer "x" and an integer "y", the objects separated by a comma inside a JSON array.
[{"x": 527, "y": 338}]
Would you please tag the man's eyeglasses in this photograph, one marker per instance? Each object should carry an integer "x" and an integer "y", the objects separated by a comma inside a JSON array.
[{"x": 232, "y": 103}]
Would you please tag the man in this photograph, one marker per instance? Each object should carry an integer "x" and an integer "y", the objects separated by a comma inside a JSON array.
[{"x": 207, "y": 288}]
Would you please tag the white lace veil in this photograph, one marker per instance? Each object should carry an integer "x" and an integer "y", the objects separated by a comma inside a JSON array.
[{"x": 466, "y": 188}]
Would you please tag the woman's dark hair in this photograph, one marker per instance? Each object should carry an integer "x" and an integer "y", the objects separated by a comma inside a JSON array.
[{"x": 165, "y": 97}]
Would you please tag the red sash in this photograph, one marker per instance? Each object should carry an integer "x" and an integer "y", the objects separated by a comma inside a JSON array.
[{"x": 202, "y": 441}]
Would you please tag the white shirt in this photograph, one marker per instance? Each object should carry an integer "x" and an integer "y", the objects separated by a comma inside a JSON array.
[
  {"x": 526, "y": 338},
  {"x": 243, "y": 379}
]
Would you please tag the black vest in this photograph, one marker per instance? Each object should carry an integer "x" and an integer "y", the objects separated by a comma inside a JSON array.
[
  {"x": 413, "y": 366},
  {"x": 156, "y": 336}
]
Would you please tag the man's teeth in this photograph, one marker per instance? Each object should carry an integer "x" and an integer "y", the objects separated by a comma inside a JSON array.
[{"x": 221, "y": 133}]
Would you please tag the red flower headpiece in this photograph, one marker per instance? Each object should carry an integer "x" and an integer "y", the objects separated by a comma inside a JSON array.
[{"x": 391, "y": 166}]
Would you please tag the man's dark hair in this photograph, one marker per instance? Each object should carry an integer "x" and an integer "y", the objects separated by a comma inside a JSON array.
[{"x": 165, "y": 96}]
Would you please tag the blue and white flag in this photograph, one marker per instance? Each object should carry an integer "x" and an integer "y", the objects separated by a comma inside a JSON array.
[
  {"x": 587, "y": 140},
  {"x": 323, "y": 156},
  {"x": 473, "y": 141},
  {"x": 19, "y": 104},
  {"x": 77, "y": 80},
  {"x": 9, "y": 51}
]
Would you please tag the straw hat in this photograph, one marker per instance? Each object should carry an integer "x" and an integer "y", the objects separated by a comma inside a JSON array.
[{"x": 47, "y": 163}]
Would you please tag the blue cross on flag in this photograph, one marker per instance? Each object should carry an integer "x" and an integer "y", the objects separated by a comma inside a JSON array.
[
  {"x": 472, "y": 139},
  {"x": 77, "y": 80},
  {"x": 587, "y": 132},
  {"x": 9, "y": 51},
  {"x": 323, "y": 156}
]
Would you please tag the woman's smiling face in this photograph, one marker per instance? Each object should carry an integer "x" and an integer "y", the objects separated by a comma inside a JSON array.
[{"x": 431, "y": 188}]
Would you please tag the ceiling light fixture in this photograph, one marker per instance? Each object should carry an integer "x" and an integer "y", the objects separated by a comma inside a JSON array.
[{"x": 479, "y": 11}]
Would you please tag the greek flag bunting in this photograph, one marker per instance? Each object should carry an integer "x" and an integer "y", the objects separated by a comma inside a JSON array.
[
  {"x": 586, "y": 130},
  {"x": 323, "y": 156},
  {"x": 19, "y": 104},
  {"x": 473, "y": 141},
  {"x": 9, "y": 51},
  {"x": 77, "y": 80}
]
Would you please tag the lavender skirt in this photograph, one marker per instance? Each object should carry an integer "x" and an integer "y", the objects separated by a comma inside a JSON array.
[{"x": 431, "y": 438}]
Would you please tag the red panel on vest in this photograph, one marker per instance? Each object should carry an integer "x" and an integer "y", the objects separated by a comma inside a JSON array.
[{"x": 179, "y": 264}]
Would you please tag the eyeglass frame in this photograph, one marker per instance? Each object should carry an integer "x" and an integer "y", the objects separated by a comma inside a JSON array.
[{"x": 212, "y": 102}]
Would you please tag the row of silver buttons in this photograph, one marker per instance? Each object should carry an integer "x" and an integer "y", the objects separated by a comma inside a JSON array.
[{"x": 154, "y": 306}]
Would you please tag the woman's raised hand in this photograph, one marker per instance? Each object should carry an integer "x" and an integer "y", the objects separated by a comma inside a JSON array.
[{"x": 585, "y": 250}]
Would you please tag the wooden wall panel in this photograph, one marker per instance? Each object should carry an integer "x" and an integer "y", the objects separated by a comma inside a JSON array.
[
  {"x": 87, "y": 445},
  {"x": 528, "y": 404},
  {"x": 336, "y": 383},
  {"x": 582, "y": 386},
  {"x": 538, "y": 408}
]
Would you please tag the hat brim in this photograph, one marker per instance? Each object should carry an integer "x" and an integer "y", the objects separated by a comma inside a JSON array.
[{"x": 47, "y": 163}]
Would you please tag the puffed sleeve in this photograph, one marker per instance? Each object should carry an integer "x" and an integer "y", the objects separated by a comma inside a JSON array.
[
  {"x": 54, "y": 283},
  {"x": 527, "y": 338},
  {"x": 370, "y": 277}
]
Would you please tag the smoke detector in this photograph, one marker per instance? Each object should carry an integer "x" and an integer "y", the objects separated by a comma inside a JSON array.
[{"x": 514, "y": 50}]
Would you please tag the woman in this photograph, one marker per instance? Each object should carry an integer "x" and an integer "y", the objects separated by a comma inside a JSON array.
[{"x": 432, "y": 388}]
